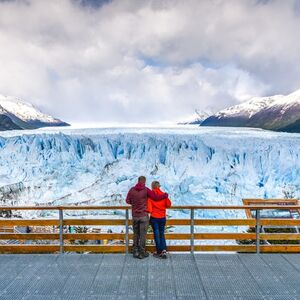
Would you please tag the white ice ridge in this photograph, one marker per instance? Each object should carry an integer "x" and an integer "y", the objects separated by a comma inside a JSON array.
[{"x": 196, "y": 166}]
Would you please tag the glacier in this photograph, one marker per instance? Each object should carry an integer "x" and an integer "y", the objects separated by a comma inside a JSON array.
[{"x": 195, "y": 165}]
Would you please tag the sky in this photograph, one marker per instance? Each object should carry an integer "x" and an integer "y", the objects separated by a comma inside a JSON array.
[{"x": 139, "y": 61}]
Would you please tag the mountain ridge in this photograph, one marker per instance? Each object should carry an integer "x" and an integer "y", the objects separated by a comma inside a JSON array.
[
  {"x": 18, "y": 114},
  {"x": 278, "y": 112}
]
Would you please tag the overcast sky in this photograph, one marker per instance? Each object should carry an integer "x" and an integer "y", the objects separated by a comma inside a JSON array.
[{"x": 142, "y": 61}]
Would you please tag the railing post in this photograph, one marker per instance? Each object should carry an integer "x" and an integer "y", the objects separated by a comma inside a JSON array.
[
  {"x": 257, "y": 217},
  {"x": 127, "y": 231},
  {"x": 61, "y": 231},
  {"x": 192, "y": 230}
]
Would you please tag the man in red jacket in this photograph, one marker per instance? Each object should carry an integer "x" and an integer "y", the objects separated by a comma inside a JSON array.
[{"x": 137, "y": 198}]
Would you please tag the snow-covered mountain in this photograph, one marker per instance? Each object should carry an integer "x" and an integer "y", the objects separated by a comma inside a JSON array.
[
  {"x": 280, "y": 113},
  {"x": 200, "y": 165},
  {"x": 18, "y": 114},
  {"x": 196, "y": 118},
  {"x": 6, "y": 122}
]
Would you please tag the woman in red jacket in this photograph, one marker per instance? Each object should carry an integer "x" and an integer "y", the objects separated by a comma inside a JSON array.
[{"x": 157, "y": 210}]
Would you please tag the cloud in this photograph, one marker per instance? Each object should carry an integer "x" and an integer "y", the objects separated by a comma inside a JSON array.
[{"x": 142, "y": 61}]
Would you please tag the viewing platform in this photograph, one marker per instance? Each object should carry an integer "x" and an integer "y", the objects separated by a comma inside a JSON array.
[
  {"x": 63, "y": 264},
  {"x": 120, "y": 276}
]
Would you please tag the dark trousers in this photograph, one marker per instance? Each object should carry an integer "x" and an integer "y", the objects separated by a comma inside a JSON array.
[
  {"x": 140, "y": 227},
  {"x": 158, "y": 226}
]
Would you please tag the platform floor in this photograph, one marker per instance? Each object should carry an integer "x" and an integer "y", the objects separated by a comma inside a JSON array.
[{"x": 182, "y": 276}]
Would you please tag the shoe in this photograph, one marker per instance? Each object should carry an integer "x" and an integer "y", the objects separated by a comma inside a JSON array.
[
  {"x": 163, "y": 254},
  {"x": 156, "y": 255},
  {"x": 135, "y": 253},
  {"x": 143, "y": 254}
]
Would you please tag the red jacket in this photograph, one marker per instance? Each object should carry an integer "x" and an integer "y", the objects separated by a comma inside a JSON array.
[
  {"x": 137, "y": 198},
  {"x": 157, "y": 209}
]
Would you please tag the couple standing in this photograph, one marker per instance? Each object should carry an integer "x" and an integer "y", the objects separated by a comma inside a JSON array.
[{"x": 144, "y": 201}]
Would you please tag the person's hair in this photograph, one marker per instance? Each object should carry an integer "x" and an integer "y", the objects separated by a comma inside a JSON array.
[
  {"x": 155, "y": 184},
  {"x": 142, "y": 179}
]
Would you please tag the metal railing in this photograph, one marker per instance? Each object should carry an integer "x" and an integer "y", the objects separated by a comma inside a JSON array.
[{"x": 58, "y": 239}]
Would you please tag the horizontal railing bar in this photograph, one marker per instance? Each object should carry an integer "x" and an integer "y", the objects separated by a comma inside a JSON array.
[
  {"x": 94, "y": 222},
  {"x": 261, "y": 207},
  {"x": 280, "y": 248},
  {"x": 178, "y": 222},
  {"x": 168, "y": 236},
  {"x": 26, "y": 222},
  {"x": 280, "y": 236},
  {"x": 271, "y": 200},
  {"x": 95, "y": 236},
  {"x": 118, "y": 248},
  {"x": 239, "y": 248},
  {"x": 70, "y": 207},
  {"x": 224, "y": 236},
  {"x": 121, "y": 236},
  {"x": 118, "y": 222},
  {"x": 29, "y": 236},
  {"x": 30, "y": 207},
  {"x": 224, "y": 222},
  {"x": 121, "y": 222},
  {"x": 280, "y": 222},
  {"x": 249, "y": 248},
  {"x": 28, "y": 248},
  {"x": 95, "y": 248},
  {"x": 121, "y": 248}
]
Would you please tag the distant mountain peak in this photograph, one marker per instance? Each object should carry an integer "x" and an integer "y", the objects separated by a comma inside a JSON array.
[
  {"x": 196, "y": 118},
  {"x": 24, "y": 115},
  {"x": 272, "y": 112}
]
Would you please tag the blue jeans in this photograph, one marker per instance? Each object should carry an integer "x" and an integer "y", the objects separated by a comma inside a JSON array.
[{"x": 158, "y": 226}]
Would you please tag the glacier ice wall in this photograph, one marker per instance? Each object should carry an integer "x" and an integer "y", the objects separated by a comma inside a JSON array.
[{"x": 203, "y": 166}]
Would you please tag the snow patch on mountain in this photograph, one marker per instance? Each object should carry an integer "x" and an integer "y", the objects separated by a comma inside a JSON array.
[
  {"x": 24, "y": 110},
  {"x": 256, "y": 104}
]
